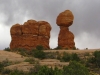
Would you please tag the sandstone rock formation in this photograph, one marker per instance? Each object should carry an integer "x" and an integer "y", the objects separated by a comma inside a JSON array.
[
  {"x": 66, "y": 37},
  {"x": 30, "y": 34}
]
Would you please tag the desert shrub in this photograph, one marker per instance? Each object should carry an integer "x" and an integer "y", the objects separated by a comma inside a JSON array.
[
  {"x": 57, "y": 71},
  {"x": 74, "y": 48},
  {"x": 66, "y": 48},
  {"x": 86, "y": 48},
  {"x": 97, "y": 58},
  {"x": 58, "y": 48},
  {"x": 16, "y": 72},
  {"x": 44, "y": 70},
  {"x": 39, "y": 47},
  {"x": 91, "y": 60},
  {"x": 36, "y": 68},
  {"x": 39, "y": 54},
  {"x": 74, "y": 57},
  {"x": 4, "y": 64},
  {"x": 1, "y": 67},
  {"x": 7, "y": 49},
  {"x": 59, "y": 56},
  {"x": 75, "y": 68},
  {"x": 5, "y": 71},
  {"x": 15, "y": 50},
  {"x": 65, "y": 57},
  {"x": 22, "y": 51}
]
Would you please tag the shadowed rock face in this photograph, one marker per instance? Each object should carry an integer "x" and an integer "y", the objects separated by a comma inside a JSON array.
[
  {"x": 66, "y": 37},
  {"x": 30, "y": 34}
]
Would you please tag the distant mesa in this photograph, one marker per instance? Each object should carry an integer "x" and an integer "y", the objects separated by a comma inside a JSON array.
[
  {"x": 66, "y": 37},
  {"x": 31, "y": 34}
]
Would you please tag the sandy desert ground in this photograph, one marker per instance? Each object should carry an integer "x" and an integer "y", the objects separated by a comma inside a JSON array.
[{"x": 22, "y": 65}]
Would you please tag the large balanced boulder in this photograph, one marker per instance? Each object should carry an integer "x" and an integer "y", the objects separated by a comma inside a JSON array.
[
  {"x": 66, "y": 37},
  {"x": 31, "y": 34},
  {"x": 65, "y": 18}
]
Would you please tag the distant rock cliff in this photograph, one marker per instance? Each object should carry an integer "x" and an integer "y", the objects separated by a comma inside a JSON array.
[
  {"x": 66, "y": 37},
  {"x": 31, "y": 34}
]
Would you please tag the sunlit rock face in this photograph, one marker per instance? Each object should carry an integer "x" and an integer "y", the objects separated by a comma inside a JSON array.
[
  {"x": 31, "y": 34},
  {"x": 66, "y": 37}
]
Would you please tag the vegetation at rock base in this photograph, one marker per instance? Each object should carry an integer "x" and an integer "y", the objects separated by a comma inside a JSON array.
[
  {"x": 39, "y": 54},
  {"x": 66, "y": 57},
  {"x": 4, "y": 63},
  {"x": 7, "y": 49},
  {"x": 58, "y": 48},
  {"x": 44, "y": 70},
  {"x": 39, "y": 47},
  {"x": 90, "y": 63},
  {"x": 75, "y": 68}
]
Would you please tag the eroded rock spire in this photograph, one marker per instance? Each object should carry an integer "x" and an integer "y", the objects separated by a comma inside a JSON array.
[
  {"x": 31, "y": 34},
  {"x": 66, "y": 37}
]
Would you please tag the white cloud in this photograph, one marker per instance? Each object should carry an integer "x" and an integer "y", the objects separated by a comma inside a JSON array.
[
  {"x": 86, "y": 40},
  {"x": 4, "y": 36}
]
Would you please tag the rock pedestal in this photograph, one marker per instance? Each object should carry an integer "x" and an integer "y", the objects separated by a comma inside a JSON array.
[
  {"x": 66, "y": 37},
  {"x": 30, "y": 34}
]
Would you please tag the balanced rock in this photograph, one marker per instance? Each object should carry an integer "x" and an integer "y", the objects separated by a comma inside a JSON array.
[
  {"x": 66, "y": 37},
  {"x": 65, "y": 18},
  {"x": 30, "y": 34}
]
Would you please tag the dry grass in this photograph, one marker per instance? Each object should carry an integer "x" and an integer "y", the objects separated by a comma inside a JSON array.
[
  {"x": 73, "y": 51},
  {"x": 22, "y": 65},
  {"x": 14, "y": 57}
]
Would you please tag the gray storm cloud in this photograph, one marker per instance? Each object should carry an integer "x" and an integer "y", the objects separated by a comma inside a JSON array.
[{"x": 85, "y": 26}]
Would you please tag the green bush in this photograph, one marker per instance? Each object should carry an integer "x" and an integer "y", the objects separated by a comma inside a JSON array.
[
  {"x": 74, "y": 48},
  {"x": 16, "y": 72},
  {"x": 5, "y": 71},
  {"x": 66, "y": 48},
  {"x": 75, "y": 68},
  {"x": 1, "y": 67},
  {"x": 4, "y": 64},
  {"x": 7, "y": 49},
  {"x": 75, "y": 57},
  {"x": 65, "y": 57},
  {"x": 59, "y": 56},
  {"x": 97, "y": 58},
  {"x": 23, "y": 52},
  {"x": 36, "y": 68},
  {"x": 39, "y": 54},
  {"x": 39, "y": 47},
  {"x": 58, "y": 48}
]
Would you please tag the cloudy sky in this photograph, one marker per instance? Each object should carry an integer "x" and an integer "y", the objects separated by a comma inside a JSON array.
[{"x": 86, "y": 25}]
